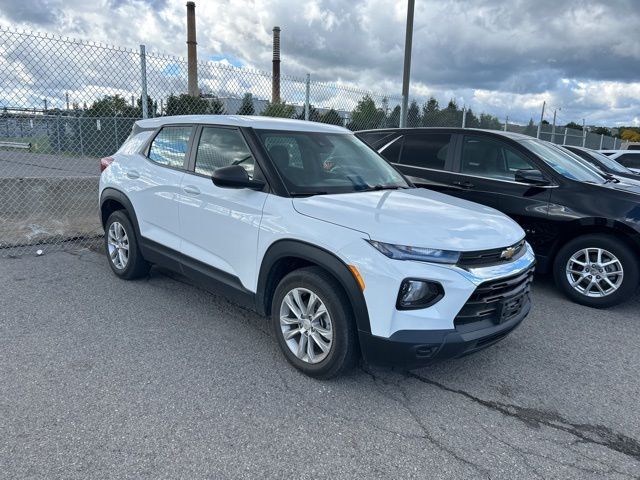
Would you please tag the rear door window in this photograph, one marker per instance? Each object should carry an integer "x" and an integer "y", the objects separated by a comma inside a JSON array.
[
  {"x": 427, "y": 150},
  {"x": 629, "y": 160},
  {"x": 169, "y": 147}
]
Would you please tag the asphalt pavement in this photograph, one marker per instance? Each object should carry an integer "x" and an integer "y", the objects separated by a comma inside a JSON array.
[{"x": 157, "y": 378}]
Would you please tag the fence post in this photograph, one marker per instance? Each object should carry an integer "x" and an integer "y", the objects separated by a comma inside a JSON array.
[
  {"x": 541, "y": 119},
  {"x": 143, "y": 80},
  {"x": 553, "y": 128},
  {"x": 80, "y": 130},
  {"x": 464, "y": 116},
  {"x": 584, "y": 134},
  {"x": 115, "y": 131},
  {"x": 564, "y": 141},
  {"x": 306, "y": 97},
  {"x": 615, "y": 141},
  {"x": 58, "y": 131},
  {"x": 506, "y": 122},
  {"x": 601, "y": 140}
]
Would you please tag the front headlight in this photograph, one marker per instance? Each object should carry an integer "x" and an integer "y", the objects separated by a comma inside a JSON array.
[{"x": 420, "y": 254}]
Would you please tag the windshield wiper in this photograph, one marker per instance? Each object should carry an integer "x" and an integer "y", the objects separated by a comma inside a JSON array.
[
  {"x": 383, "y": 187},
  {"x": 610, "y": 178},
  {"x": 307, "y": 194}
]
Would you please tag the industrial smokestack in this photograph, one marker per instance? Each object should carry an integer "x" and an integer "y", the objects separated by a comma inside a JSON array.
[
  {"x": 192, "y": 53},
  {"x": 275, "y": 80}
]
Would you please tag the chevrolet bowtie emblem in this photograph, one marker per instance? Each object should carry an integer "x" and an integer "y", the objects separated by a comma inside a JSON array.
[{"x": 508, "y": 253}]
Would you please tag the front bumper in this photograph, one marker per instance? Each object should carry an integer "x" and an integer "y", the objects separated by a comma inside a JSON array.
[{"x": 417, "y": 348}]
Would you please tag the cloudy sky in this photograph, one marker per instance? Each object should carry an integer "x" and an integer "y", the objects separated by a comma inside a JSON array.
[{"x": 503, "y": 57}]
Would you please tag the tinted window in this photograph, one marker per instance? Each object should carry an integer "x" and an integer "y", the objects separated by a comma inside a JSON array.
[
  {"x": 426, "y": 150},
  {"x": 221, "y": 147},
  {"x": 630, "y": 160},
  {"x": 374, "y": 138},
  {"x": 485, "y": 157},
  {"x": 170, "y": 146},
  {"x": 392, "y": 152},
  {"x": 633, "y": 147},
  {"x": 597, "y": 159}
]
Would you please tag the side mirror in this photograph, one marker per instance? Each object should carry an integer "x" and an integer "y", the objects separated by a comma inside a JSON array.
[
  {"x": 235, "y": 176},
  {"x": 532, "y": 177}
]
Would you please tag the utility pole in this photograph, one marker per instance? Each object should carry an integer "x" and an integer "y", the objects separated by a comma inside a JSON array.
[
  {"x": 275, "y": 67},
  {"x": 66, "y": 97},
  {"x": 45, "y": 104},
  {"x": 541, "y": 119},
  {"x": 407, "y": 64}
]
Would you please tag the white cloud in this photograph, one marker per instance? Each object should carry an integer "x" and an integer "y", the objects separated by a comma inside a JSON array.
[{"x": 502, "y": 57}]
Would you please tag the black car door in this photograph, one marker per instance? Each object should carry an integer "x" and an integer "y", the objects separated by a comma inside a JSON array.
[
  {"x": 426, "y": 158},
  {"x": 490, "y": 164}
]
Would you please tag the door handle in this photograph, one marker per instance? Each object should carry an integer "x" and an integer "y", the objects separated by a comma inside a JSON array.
[
  {"x": 464, "y": 184},
  {"x": 191, "y": 190},
  {"x": 132, "y": 174}
]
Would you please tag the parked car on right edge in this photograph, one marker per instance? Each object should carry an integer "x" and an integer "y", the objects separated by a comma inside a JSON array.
[
  {"x": 603, "y": 163},
  {"x": 628, "y": 158},
  {"x": 584, "y": 227}
]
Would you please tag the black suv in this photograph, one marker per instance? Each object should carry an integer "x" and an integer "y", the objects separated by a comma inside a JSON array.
[
  {"x": 603, "y": 163},
  {"x": 584, "y": 226}
]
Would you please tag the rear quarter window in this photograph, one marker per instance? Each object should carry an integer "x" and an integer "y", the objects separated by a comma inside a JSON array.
[{"x": 426, "y": 150}]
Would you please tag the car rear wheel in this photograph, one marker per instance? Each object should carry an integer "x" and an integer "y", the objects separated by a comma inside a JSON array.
[
  {"x": 597, "y": 270},
  {"x": 313, "y": 323},
  {"x": 122, "y": 249}
]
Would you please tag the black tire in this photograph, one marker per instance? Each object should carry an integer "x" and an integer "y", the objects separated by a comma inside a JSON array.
[
  {"x": 627, "y": 257},
  {"x": 136, "y": 266},
  {"x": 343, "y": 352}
]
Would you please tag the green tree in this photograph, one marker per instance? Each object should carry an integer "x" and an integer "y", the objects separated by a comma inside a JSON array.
[
  {"x": 314, "y": 115},
  {"x": 246, "y": 108},
  {"x": 394, "y": 118},
  {"x": 430, "y": 113},
  {"x": 574, "y": 126},
  {"x": 451, "y": 116},
  {"x": 152, "y": 107},
  {"x": 366, "y": 115},
  {"x": 471, "y": 121},
  {"x": 215, "y": 107},
  {"x": 602, "y": 131},
  {"x": 413, "y": 115},
  {"x": 489, "y": 122},
  {"x": 184, "y": 104},
  {"x": 530, "y": 129},
  {"x": 332, "y": 117},
  {"x": 279, "y": 109}
]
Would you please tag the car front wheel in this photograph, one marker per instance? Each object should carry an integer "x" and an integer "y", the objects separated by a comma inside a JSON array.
[
  {"x": 597, "y": 270},
  {"x": 313, "y": 323}
]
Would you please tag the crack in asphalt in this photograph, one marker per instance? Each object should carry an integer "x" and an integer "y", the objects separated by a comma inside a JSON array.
[{"x": 586, "y": 433}]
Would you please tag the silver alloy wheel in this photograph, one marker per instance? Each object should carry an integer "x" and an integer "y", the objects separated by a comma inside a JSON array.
[
  {"x": 306, "y": 325},
  {"x": 594, "y": 272},
  {"x": 118, "y": 245}
]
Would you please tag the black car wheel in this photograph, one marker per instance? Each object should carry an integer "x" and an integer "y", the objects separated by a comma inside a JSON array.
[
  {"x": 597, "y": 270},
  {"x": 122, "y": 249},
  {"x": 313, "y": 324}
]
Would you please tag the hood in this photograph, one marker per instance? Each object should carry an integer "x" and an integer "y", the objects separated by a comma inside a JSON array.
[{"x": 416, "y": 217}]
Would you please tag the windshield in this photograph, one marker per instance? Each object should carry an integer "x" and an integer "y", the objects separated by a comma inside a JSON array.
[
  {"x": 563, "y": 162},
  {"x": 313, "y": 163},
  {"x": 608, "y": 162}
]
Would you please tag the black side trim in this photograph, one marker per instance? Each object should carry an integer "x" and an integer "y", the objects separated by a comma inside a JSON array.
[
  {"x": 321, "y": 257},
  {"x": 210, "y": 278}
]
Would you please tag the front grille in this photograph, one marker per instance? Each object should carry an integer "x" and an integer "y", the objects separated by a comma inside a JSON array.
[
  {"x": 497, "y": 301},
  {"x": 495, "y": 256}
]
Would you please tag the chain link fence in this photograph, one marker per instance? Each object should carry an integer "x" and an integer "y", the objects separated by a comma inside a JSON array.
[{"x": 65, "y": 103}]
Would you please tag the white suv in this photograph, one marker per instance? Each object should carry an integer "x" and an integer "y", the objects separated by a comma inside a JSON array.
[{"x": 305, "y": 223}]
